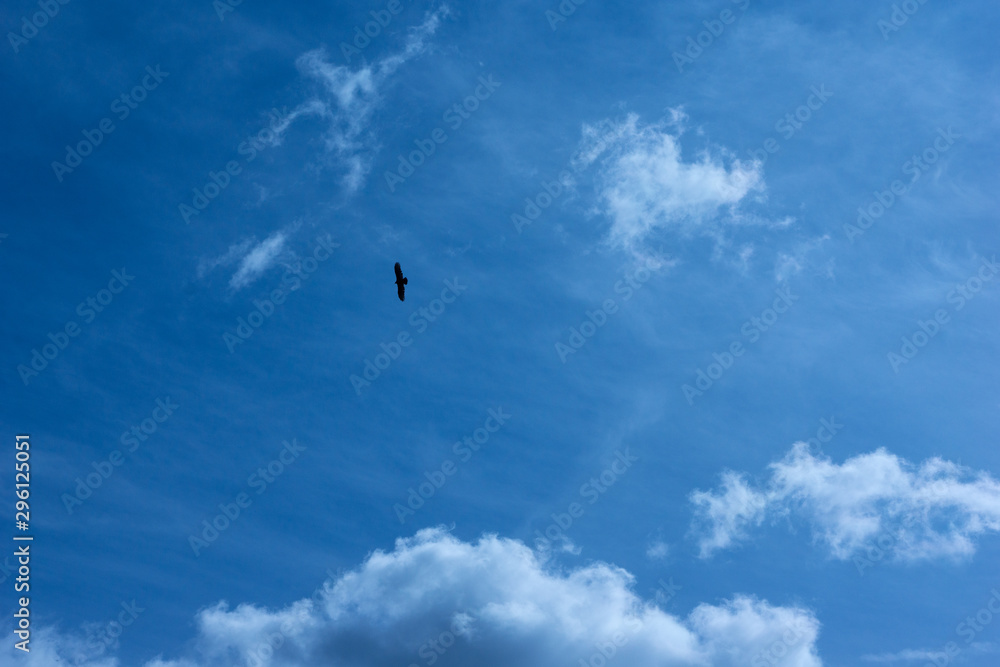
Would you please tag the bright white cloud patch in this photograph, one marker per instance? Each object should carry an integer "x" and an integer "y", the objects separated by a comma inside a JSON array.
[
  {"x": 726, "y": 514},
  {"x": 352, "y": 98},
  {"x": 493, "y": 603},
  {"x": 644, "y": 183},
  {"x": 934, "y": 510}
]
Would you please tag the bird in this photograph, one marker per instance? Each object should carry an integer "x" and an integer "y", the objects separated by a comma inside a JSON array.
[{"x": 400, "y": 282}]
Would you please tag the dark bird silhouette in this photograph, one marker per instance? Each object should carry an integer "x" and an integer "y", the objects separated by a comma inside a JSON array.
[{"x": 400, "y": 282}]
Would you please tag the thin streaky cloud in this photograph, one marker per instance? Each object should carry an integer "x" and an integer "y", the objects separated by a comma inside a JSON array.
[
  {"x": 909, "y": 655},
  {"x": 231, "y": 256},
  {"x": 258, "y": 260},
  {"x": 352, "y": 95}
]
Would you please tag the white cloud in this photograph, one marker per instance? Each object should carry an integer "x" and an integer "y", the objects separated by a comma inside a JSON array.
[
  {"x": 49, "y": 648},
  {"x": 352, "y": 96},
  {"x": 728, "y": 512},
  {"x": 791, "y": 263},
  {"x": 909, "y": 655},
  {"x": 658, "y": 550},
  {"x": 934, "y": 510},
  {"x": 231, "y": 256},
  {"x": 309, "y": 108},
  {"x": 262, "y": 257},
  {"x": 253, "y": 259},
  {"x": 929, "y": 656},
  {"x": 645, "y": 184},
  {"x": 786, "y": 266},
  {"x": 491, "y": 603},
  {"x": 725, "y": 253}
]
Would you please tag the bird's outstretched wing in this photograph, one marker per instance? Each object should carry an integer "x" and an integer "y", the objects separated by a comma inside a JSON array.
[{"x": 400, "y": 283}]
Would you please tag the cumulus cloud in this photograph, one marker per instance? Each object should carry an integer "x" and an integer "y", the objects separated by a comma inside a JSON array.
[
  {"x": 49, "y": 647},
  {"x": 934, "y": 510},
  {"x": 725, "y": 515},
  {"x": 645, "y": 184},
  {"x": 491, "y": 603},
  {"x": 351, "y": 96}
]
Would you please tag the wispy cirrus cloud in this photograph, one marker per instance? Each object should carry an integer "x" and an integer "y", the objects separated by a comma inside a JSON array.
[
  {"x": 927, "y": 655},
  {"x": 262, "y": 257},
  {"x": 909, "y": 655},
  {"x": 792, "y": 263},
  {"x": 934, "y": 510},
  {"x": 251, "y": 258},
  {"x": 228, "y": 258},
  {"x": 351, "y": 95}
]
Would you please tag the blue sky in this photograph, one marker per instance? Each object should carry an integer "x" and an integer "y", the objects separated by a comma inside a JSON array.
[{"x": 705, "y": 291}]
